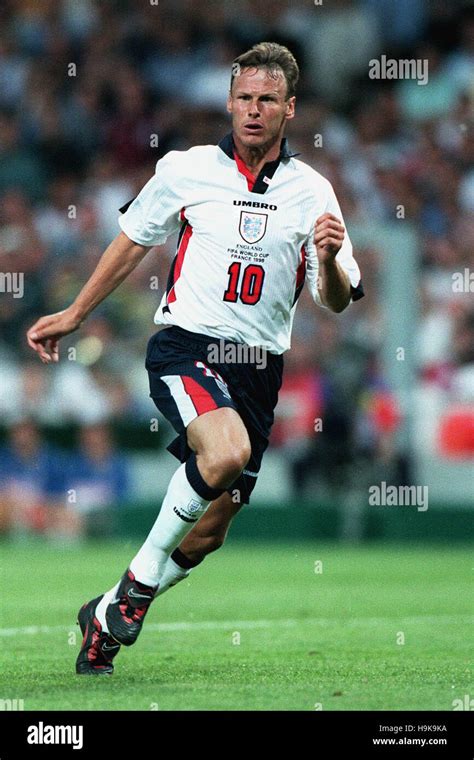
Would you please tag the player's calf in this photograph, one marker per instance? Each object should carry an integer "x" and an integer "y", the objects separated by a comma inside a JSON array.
[
  {"x": 207, "y": 536},
  {"x": 210, "y": 532}
]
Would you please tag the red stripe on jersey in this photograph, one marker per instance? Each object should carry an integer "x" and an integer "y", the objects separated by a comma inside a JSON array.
[
  {"x": 202, "y": 399},
  {"x": 180, "y": 258},
  {"x": 301, "y": 271},
  {"x": 243, "y": 169}
]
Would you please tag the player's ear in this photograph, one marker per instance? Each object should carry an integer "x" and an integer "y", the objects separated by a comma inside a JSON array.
[
  {"x": 290, "y": 108},
  {"x": 229, "y": 102}
]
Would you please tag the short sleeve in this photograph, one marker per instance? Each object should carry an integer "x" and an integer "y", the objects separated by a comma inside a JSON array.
[
  {"x": 155, "y": 213},
  {"x": 344, "y": 258}
]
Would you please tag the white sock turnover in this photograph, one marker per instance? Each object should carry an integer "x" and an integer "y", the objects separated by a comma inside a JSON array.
[{"x": 172, "y": 574}]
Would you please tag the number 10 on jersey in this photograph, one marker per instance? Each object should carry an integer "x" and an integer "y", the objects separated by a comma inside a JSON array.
[{"x": 250, "y": 284}]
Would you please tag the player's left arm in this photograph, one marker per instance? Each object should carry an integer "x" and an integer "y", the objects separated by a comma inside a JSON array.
[
  {"x": 334, "y": 274},
  {"x": 334, "y": 285}
]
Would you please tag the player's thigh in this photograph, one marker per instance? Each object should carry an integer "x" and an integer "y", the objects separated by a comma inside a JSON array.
[{"x": 219, "y": 432}]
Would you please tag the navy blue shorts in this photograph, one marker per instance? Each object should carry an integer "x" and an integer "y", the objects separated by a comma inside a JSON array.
[{"x": 186, "y": 381}]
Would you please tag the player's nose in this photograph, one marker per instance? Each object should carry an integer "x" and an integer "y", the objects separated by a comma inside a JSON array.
[{"x": 254, "y": 110}]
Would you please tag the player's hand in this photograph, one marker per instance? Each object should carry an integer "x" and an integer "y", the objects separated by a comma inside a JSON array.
[
  {"x": 44, "y": 335},
  {"x": 328, "y": 236}
]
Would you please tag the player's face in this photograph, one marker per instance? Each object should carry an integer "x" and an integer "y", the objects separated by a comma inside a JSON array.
[{"x": 258, "y": 106}]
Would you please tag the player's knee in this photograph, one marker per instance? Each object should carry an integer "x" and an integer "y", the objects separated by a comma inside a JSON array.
[
  {"x": 223, "y": 467},
  {"x": 237, "y": 458}
]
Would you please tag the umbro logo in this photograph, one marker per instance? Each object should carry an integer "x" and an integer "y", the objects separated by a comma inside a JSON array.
[
  {"x": 183, "y": 517},
  {"x": 256, "y": 204}
]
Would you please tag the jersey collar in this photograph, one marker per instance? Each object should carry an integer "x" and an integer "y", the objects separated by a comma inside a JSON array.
[
  {"x": 261, "y": 183},
  {"x": 228, "y": 146}
]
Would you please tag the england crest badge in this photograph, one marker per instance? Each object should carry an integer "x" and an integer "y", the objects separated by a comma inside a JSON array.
[{"x": 252, "y": 226}]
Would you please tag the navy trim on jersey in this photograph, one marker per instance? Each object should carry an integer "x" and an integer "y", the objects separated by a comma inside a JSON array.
[
  {"x": 228, "y": 146},
  {"x": 260, "y": 187},
  {"x": 125, "y": 207},
  {"x": 298, "y": 292},
  {"x": 357, "y": 292},
  {"x": 268, "y": 170},
  {"x": 171, "y": 280},
  {"x": 170, "y": 283}
]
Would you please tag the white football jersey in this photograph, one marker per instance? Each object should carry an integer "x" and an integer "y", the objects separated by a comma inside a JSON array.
[{"x": 245, "y": 245}]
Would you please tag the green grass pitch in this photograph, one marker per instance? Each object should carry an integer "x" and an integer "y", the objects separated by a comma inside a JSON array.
[{"x": 255, "y": 627}]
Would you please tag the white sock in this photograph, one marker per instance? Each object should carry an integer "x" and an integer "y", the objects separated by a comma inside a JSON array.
[
  {"x": 148, "y": 565},
  {"x": 181, "y": 509},
  {"x": 108, "y": 597},
  {"x": 172, "y": 574}
]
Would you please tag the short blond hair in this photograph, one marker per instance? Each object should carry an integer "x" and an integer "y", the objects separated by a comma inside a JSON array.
[{"x": 271, "y": 56}]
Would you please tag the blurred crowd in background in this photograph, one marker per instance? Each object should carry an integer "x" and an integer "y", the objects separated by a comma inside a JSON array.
[{"x": 93, "y": 93}]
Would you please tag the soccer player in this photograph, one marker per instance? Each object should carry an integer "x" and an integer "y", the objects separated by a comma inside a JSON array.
[{"x": 254, "y": 223}]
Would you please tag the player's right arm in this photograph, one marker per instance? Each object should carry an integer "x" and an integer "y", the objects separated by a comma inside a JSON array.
[
  {"x": 151, "y": 217},
  {"x": 118, "y": 260}
]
